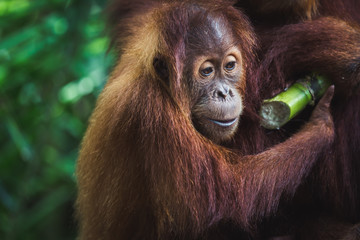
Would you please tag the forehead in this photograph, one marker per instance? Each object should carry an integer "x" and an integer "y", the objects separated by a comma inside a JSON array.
[{"x": 208, "y": 32}]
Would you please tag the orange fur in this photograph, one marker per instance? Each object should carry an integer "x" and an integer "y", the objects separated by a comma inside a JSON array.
[{"x": 144, "y": 172}]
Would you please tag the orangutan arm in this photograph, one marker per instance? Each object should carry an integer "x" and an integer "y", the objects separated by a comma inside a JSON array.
[{"x": 263, "y": 178}]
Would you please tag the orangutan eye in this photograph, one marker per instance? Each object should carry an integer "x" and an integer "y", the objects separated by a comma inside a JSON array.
[
  {"x": 206, "y": 69},
  {"x": 230, "y": 63},
  {"x": 230, "y": 66}
]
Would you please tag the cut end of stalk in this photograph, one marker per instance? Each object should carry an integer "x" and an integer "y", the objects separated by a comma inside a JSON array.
[{"x": 274, "y": 114}]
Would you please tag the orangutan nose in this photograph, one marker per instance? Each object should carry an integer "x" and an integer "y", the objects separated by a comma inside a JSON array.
[{"x": 223, "y": 92}]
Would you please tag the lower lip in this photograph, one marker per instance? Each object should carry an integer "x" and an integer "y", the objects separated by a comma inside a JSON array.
[{"x": 224, "y": 124}]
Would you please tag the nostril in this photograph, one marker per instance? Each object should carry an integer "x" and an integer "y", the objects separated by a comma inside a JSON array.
[{"x": 223, "y": 92}]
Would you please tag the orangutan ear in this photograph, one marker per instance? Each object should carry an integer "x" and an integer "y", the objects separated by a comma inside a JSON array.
[{"x": 161, "y": 69}]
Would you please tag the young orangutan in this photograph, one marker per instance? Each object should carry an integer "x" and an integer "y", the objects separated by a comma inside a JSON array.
[{"x": 150, "y": 165}]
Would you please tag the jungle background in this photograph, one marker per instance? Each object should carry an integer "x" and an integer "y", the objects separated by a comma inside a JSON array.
[{"x": 53, "y": 64}]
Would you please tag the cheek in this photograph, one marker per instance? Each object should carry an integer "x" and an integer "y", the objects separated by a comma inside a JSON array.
[
  {"x": 198, "y": 92},
  {"x": 241, "y": 84},
  {"x": 238, "y": 105}
]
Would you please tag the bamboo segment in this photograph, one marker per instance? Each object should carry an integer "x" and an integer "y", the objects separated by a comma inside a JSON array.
[{"x": 279, "y": 110}]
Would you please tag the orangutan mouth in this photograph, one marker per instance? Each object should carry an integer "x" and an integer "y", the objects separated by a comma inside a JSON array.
[{"x": 224, "y": 123}]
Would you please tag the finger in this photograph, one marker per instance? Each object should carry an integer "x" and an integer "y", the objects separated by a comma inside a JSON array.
[
  {"x": 326, "y": 99},
  {"x": 321, "y": 110}
]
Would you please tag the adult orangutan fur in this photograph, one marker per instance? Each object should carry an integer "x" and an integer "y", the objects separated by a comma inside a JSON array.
[
  {"x": 321, "y": 36},
  {"x": 145, "y": 171}
]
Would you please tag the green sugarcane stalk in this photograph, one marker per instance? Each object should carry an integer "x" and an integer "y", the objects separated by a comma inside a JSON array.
[{"x": 279, "y": 110}]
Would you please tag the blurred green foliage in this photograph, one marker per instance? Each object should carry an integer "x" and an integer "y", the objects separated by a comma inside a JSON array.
[{"x": 53, "y": 64}]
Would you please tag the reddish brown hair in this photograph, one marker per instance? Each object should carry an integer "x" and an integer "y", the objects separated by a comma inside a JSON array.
[{"x": 145, "y": 172}]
